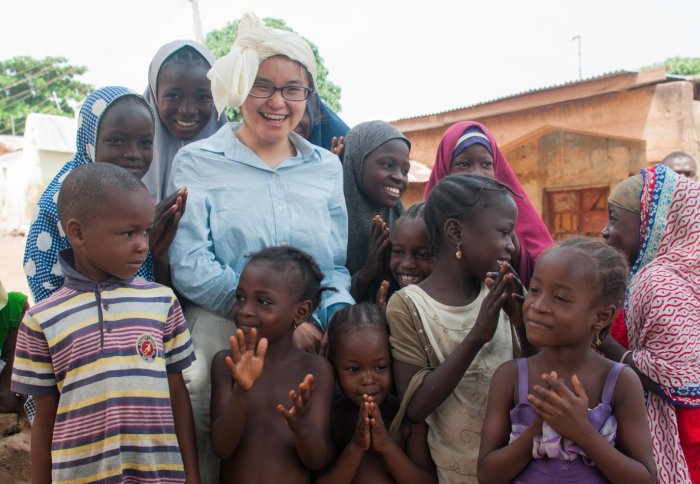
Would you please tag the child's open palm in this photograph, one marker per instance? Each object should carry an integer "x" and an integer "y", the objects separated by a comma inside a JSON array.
[
  {"x": 246, "y": 362},
  {"x": 296, "y": 416}
]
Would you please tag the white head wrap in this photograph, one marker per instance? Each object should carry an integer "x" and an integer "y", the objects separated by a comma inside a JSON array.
[{"x": 233, "y": 75}]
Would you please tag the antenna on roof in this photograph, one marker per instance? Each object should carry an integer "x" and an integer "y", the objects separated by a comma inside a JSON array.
[{"x": 580, "y": 72}]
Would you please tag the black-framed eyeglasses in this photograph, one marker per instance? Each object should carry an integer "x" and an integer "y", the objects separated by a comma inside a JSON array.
[{"x": 290, "y": 93}]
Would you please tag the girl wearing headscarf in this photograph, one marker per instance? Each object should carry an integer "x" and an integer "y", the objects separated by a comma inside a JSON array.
[
  {"x": 46, "y": 237},
  {"x": 655, "y": 222},
  {"x": 251, "y": 186},
  {"x": 180, "y": 93},
  {"x": 375, "y": 175},
  {"x": 469, "y": 147}
]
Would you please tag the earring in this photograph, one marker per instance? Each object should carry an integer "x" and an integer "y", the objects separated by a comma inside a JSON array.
[
  {"x": 458, "y": 254},
  {"x": 597, "y": 342}
]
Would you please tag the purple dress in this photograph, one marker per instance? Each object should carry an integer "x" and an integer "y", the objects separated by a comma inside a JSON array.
[{"x": 555, "y": 458}]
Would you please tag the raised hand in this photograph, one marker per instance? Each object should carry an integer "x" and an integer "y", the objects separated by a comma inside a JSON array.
[
  {"x": 381, "y": 296},
  {"x": 380, "y": 437},
  {"x": 565, "y": 411},
  {"x": 307, "y": 337},
  {"x": 296, "y": 415},
  {"x": 513, "y": 305},
  {"x": 362, "y": 437},
  {"x": 166, "y": 220},
  {"x": 337, "y": 145},
  {"x": 489, "y": 312},
  {"x": 376, "y": 253},
  {"x": 246, "y": 362}
]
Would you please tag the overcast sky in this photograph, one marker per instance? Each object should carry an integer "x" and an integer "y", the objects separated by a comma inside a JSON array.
[{"x": 392, "y": 59}]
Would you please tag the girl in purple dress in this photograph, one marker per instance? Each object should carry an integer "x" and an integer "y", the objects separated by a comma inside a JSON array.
[{"x": 568, "y": 414}]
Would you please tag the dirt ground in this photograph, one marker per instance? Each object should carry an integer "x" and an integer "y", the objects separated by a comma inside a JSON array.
[{"x": 14, "y": 448}]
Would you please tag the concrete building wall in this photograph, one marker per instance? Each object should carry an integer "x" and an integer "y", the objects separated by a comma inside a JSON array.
[
  {"x": 664, "y": 115},
  {"x": 562, "y": 160}
]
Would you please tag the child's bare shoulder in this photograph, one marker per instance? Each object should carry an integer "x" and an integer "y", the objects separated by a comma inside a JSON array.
[{"x": 317, "y": 365}]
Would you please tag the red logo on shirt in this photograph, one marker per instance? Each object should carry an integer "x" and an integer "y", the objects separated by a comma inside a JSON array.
[{"x": 147, "y": 348}]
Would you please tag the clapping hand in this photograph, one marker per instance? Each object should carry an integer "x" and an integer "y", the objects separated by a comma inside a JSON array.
[
  {"x": 246, "y": 362},
  {"x": 296, "y": 416}
]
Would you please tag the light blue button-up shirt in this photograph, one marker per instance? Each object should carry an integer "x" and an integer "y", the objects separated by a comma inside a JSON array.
[{"x": 237, "y": 205}]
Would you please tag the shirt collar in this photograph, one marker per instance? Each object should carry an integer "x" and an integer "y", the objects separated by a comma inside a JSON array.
[
  {"x": 227, "y": 143},
  {"x": 79, "y": 282}
]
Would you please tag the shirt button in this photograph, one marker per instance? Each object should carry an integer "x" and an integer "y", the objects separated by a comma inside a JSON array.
[{"x": 274, "y": 175}]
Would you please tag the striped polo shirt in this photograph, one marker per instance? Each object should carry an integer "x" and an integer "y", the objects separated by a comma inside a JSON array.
[{"x": 106, "y": 350}]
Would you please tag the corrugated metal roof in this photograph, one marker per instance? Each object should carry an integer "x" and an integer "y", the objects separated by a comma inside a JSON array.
[{"x": 524, "y": 93}]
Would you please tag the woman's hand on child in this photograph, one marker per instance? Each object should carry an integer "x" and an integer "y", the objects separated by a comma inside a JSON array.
[
  {"x": 296, "y": 415},
  {"x": 362, "y": 438},
  {"x": 246, "y": 362},
  {"x": 165, "y": 223},
  {"x": 565, "y": 411},
  {"x": 308, "y": 337},
  {"x": 337, "y": 145}
]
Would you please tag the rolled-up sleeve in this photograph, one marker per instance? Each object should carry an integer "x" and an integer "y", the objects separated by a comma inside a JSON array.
[{"x": 196, "y": 272}]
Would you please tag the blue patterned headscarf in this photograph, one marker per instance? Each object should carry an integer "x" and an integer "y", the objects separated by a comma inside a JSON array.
[{"x": 46, "y": 237}]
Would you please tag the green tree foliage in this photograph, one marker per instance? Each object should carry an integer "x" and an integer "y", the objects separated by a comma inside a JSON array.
[
  {"x": 681, "y": 66},
  {"x": 29, "y": 85},
  {"x": 220, "y": 41}
]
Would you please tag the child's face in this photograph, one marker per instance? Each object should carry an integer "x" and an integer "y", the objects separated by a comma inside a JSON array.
[
  {"x": 560, "y": 308},
  {"x": 385, "y": 173},
  {"x": 487, "y": 239},
  {"x": 411, "y": 258},
  {"x": 270, "y": 120},
  {"x": 115, "y": 242},
  {"x": 363, "y": 364},
  {"x": 474, "y": 160},
  {"x": 265, "y": 300},
  {"x": 184, "y": 98},
  {"x": 622, "y": 232},
  {"x": 125, "y": 136}
]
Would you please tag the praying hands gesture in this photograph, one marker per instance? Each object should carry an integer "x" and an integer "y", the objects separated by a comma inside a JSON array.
[
  {"x": 370, "y": 430},
  {"x": 246, "y": 363}
]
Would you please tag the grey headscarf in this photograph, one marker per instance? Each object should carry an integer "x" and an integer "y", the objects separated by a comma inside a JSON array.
[
  {"x": 165, "y": 145},
  {"x": 362, "y": 140}
]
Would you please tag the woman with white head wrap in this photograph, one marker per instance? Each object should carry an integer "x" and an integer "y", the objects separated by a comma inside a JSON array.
[{"x": 254, "y": 185}]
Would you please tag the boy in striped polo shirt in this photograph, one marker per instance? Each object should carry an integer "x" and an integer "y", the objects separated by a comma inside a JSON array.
[{"x": 104, "y": 354}]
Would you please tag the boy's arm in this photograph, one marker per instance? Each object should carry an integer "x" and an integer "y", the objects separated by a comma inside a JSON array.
[
  {"x": 184, "y": 425},
  {"x": 309, "y": 418},
  {"x": 42, "y": 434}
]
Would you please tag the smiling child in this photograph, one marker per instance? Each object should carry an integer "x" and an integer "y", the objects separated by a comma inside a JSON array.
[{"x": 375, "y": 175}]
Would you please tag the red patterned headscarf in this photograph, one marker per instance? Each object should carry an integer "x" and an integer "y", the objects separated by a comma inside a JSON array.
[
  {"x": 530, "y": 229},
  {"x": 662, "y": 315}
]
